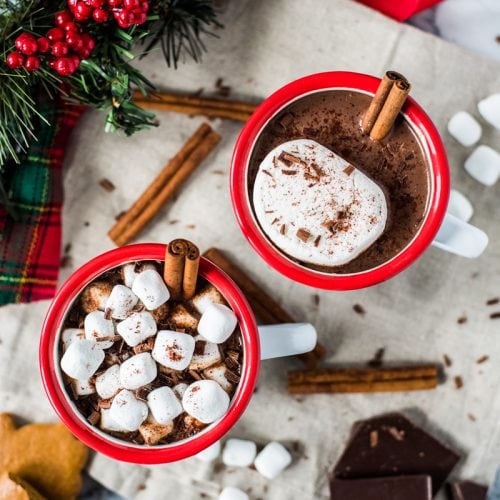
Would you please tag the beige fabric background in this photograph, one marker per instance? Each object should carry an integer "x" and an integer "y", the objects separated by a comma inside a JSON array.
[{"x": 414, "y": 316}]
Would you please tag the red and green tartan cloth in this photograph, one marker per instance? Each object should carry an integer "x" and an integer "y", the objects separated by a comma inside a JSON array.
[{"x": 30, "y": 245}]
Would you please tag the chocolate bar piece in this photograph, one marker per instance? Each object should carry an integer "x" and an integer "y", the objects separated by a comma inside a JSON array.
[
  {"x": 386, "y": 488},
  {"x": 391, "y": 445},
  {"x": 468, "y": 490}
]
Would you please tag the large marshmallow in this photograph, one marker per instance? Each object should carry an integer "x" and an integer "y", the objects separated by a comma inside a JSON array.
[
  {"x": 164, "y": 405},
  {"x": 209, "y": 454},
  {"x": 95, "y": 296},
  {"x": 272, "y": 460},
  {"x": 180, "y": 389},
  {"x": 82, "y": 387},
  {"x": 464, "y": 128},
  {"x": 318, "y": 208},
  {"x": 81, "y": 359},
  {"x": 217, "y": 373},
  {"x": 484, "y": 165},
  {"x": 137, "y": 371},
  {"x": 206, "y": 401},
  {"x": 217, "y": 323},
  {"x": 490, "y": 110},
  {"x": 69, "y": 335},
  {"x": 137, "y": 328},
  {"x": 131, "y": 271},
  {"x": 151, "y": 289},
  {"x": 107, "y": 384},
  {"x": 127, "y": 411},
  {"x": 97, "y": 326},
  {"x": 121, "y": 302},
  {"x": 209, "y": 295},
  {"x": 108, "y": 424},
  {"x": 239, "y": 452},
  {"x": 205, "y": 354},
  {"x": 152, "y": 431},
  {"x": 173, "y": 349},
  {"x": 233, "y": 493}
]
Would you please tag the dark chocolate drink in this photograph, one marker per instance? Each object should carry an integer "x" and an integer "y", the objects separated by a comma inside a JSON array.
[{"x": 397, "y": 164}]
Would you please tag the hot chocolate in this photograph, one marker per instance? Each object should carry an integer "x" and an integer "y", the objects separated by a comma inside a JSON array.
[{"x": 397, "y": 165}]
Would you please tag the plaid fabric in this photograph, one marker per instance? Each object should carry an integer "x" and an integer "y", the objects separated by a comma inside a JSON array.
[{"x": 30, "y": 248}]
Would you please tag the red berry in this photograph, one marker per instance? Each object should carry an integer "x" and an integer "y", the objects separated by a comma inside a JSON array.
[
  {"x": 60, "y": 49},
  {"x": 88, "y": 42},
  {"x": 52, "y": 63},
  {"x": 96, "y": 4},
  {"x": 55, "y": 35},
  {"x": 82, "y": 11},
  {"x": 100, "y": 15},
  {"x": 72, "y": 4},
  {"x": 76, "y": 61},
  {"x": 43, "y": 44},
  {"x": 32, "y": 63},
  {"x": 64, "y": 66},
  {"x": 139, "y": 17},
  {"x": 114, "y": 3},
  {"x": 124, "y": 18},
  {"x": 71, "y": 26},
  {"x": 131, "y": 4},
  {"x": 74, "y": 40},
  {"x": 145, "y": 6},
  {"x": 29, "y": 46},
  {"x": 14, "y": 60},
  {"x": 63, "y": 17}
]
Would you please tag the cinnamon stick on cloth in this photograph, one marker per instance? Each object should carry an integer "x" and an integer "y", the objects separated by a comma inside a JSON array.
[
  {"x": 192, "y": 105},
  {"x": 352, "y": 380},
  {"x": 182, "y": 259},
  {"x": 386, "y": 104},
  {"x": 166, "y": 184},
  {"x": 263, "y": 305}
]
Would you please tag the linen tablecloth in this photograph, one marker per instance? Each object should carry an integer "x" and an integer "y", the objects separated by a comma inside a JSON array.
[{"x": 414, "y": 316}]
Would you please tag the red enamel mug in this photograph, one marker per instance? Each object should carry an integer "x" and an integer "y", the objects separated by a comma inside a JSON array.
[
  {"x": 439, "y": 228},
  {"x": 258, "y": 343}
]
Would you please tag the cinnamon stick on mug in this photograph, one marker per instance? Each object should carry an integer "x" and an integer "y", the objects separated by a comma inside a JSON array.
[
  {"x": 385, "y": 105},
  {"x": 182, "y": 259}
]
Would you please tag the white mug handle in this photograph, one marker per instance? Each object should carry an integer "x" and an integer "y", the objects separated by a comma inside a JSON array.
[
  {"x": 289, "y": 339},
  {"x": 459, "y": 237}
]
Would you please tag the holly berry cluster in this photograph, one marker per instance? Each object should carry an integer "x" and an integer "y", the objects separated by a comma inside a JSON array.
[{"x": 125, "y": 12}]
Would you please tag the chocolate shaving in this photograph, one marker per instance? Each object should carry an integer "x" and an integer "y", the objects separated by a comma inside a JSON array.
[
  {"x": 282, "y": 229},
  {"x": 199, "y": 347},
  {"x": 316, "y": 240},
  {"x": 145, "y": 346},
  {"x": 195, "y": 375},
  {"x": 373, "y": 439},
  {"x": 495, "y": 315},
  {"x": 482, "y": 359},
  {"x": 378, "y": 358},
  {"x": 142, "y": 392},
  {"x": 264, "y": 171},
  {"x": 493, "y": 302},
  {"x": 289, "y": 172},
  {"x": 359, "y": 309},
  {"x": 447, "y": 360},
  {"x": 317, "y": 169},
  {"x": 349, "y": 169},
  {"x": 288, "y": 159},
  {"x": 396, "y": 434},
  {"x": 94, "y": 418},
  {"x": 303, "y": 234},
  {"x": 462, "y": 320},
  {"x": 107, "y": 313},
  {"x": 107, "y": 185},
  {"x": 232, "y": 377},
  {"x": 459, "y": 383},
  {"x": 104, "y": 403}
]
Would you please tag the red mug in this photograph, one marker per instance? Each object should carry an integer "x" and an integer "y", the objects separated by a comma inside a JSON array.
[
  {"x": 440, "y": 228},
  {"x": 258, "y": 343}
]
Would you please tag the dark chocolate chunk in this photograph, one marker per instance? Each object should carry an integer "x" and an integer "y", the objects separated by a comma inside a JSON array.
[
  {"x": 402, "y": 449},
  {"x": 384, "y": 488},
  {"x": 468, "y": 490}
]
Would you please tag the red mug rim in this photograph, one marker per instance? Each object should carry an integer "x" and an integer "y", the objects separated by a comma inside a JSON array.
[
  {"x": 121, "y": 450},
  {"x": 437, "y": 203}
]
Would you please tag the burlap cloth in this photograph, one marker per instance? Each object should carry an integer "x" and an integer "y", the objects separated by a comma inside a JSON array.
[{"x": 414, "y": 316}]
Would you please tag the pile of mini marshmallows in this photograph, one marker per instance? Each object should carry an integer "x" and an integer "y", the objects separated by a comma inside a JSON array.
[
  {"x": 273, "y": 459},
  {"x": 484, "y": 162},
  {"x": 84, "y": 352}
]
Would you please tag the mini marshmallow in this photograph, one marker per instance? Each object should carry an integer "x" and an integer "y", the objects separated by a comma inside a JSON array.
[
  {"x": 206, "y": 401},
  {"x": 173, "y": 349},
  {"x": 239, "y": 452},
  {"x": 484, "y": 165},
  {"x": 95, "y": 296},
  {"x": 108, "y": 424},
  {"x": 464, "y": 128},
  {"x": 151, "y": 289},
  {"x": 217, "y": 323},
  {"x": 127, "y": 411},
  {"x": 205, "y": 354},
  {"x": 82, "y": 387},
  {"x": 490, "y": 110},
  {"x": 97, "y": 326},
  {"x": 69, "y": 335},
  {"x": 460, "y": 206},
  {"x": 217, "y": 373},
  {"x": 180, "y": 389},
  {"x": 209, "y": 454},
  {"x": 81, "y": 359},
  {"x": 132, "y": 270},
  {"x": 107, "y": 384},
  {"x": 207, "y": 296},
  {"x": 181, "y": 319},
  {"x": 137, "y": 371},
  {"x": 121, "y": 301},
  {"x": 152, "y": 432},
  {"x": 164, "y": 405},
  {"x": 232, "y": 493},
  {"x": 272, "y": 460},
  {"x": 137, "y": 328}
]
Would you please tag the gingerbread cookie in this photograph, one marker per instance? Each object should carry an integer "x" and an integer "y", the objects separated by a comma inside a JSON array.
[
  {"x": 14, "y": 488},
  {"x": 46, "y": 456}
]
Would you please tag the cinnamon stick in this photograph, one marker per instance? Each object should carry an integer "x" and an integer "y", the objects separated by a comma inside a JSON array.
[
  {"x": 192, "y": 105},
  {"x": 263, "y": 305},
  {"x": 166, "y": 184},
  {"x": 173, "y": 272},
  {"x": 352, "y": 380},
  {"x": 191, "y": 266}
]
